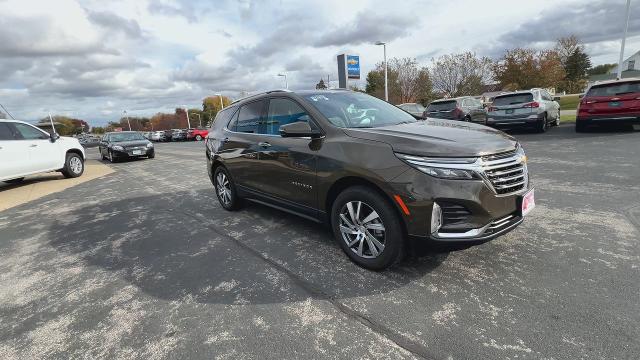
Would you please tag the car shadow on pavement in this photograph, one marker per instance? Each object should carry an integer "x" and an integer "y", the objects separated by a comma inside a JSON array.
[{"x": 184, "y": 246}]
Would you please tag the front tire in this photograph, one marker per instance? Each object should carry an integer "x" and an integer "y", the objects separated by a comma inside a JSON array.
[
  {"x": 367, "y": 228},
  {"x": 226, "y": 189},
  {"x": 198, "y": 138},
  {"x": 73, "y": 166}
]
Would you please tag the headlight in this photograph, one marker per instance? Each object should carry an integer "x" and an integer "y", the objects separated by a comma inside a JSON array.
[
  {"x": 444, "y": 168},
  {"x": 117, "y": 148},
  {"x": 149, "y": 145}
]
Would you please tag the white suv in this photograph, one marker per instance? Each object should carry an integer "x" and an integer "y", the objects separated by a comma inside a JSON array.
[{"x": 26, "y": 150}]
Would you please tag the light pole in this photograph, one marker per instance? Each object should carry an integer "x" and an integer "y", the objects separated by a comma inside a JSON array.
[
  {"x": 188, "y": 122},
  {"x": 221, "y": 104},
  {"x": 286, "y": 84},
  {"x": 624, "y": 37},
  {"x": 126, "y": 117},
  {"x": 386, "y": 88}
]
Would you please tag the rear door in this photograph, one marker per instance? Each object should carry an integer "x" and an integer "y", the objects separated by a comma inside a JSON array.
[
  {"x": 44, "y": 155},
  {"x": 14, "y": 154},
  {"x": 240, "y": 146},
  {"x": 288, "y": 165},
  {"x": 477, "y": 112},
  {"x": 617, "y": 99}
]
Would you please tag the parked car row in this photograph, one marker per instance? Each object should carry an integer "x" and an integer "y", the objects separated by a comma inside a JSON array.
[
  {"x": 176, "y": 135},
  {"x": 535, "y": 109}
]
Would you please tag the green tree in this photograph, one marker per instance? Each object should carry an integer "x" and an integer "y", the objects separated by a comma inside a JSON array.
[{"x": 527, "y": 68}]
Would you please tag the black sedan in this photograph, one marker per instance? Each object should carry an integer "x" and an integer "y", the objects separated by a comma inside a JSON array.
[{"x": 124, "y": 145}]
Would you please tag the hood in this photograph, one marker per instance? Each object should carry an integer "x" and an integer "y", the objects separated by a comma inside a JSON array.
[{"x": 436, "y": 137}]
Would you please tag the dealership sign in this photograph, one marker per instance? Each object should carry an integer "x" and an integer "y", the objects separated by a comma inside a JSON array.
[{"x": 353, "y": 66}]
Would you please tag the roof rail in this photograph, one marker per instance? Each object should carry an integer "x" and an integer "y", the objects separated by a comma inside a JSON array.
[{"x": 260, "y": 93}]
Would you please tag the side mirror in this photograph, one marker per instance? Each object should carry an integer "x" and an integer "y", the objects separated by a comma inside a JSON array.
[
  {"x": 299, "y": 129},
  {"x": 53, "y": 137},
  {"x": 581, "y": 96},
  {"x": 556, "y": 98}
]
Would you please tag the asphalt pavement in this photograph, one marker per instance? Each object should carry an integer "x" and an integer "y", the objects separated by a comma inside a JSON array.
[{"x": 144, "y": 263}]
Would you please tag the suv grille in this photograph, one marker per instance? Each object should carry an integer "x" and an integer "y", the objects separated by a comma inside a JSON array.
[{"x": 505, "y": 171}]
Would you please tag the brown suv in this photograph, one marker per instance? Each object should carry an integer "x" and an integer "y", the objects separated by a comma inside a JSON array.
[{"x": 368, "y": 169}]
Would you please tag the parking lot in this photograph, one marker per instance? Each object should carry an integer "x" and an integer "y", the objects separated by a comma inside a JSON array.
[{"x": 144, "y": 263}]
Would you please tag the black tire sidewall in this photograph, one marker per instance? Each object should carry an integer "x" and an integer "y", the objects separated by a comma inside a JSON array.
[
  {"x": 394, "y": 235},
  {"x": 235, "y": 200}
]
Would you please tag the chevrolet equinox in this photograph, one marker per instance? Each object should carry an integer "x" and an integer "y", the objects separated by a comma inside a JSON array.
[{"x": 371, "y": 171}]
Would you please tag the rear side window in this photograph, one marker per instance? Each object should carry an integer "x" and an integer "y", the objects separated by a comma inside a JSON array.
[
  {"x": 6, "y": 132},
  {"x": 615, "y": 89},
  {"x": 513, "y": 99},
  {"x": 249, "y": 117},
  {"x": 442, "y": 106},
  {"x": 282, "y": 112},
  {"x": 222, "y": 118}
]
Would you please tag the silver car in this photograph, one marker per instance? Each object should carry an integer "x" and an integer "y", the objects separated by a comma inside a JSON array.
[{"x": 534, "y": 108}]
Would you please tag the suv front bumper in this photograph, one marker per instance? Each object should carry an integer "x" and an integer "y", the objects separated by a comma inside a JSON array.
[{"x": 475, "y": 211}]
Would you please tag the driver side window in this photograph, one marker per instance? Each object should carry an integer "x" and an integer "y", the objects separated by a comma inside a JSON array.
[
  {"x": 282, "y": 112},
  {"x": 29, "y": 132}
]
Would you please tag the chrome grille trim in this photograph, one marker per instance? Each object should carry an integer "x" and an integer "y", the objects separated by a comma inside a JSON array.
[{"x": 505, "y": 172}]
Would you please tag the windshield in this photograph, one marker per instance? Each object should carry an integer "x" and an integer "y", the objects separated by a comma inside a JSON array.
[
  {"x": 442, "y": 105},
  {"x": 357, "y": 110},
  {"x": 125, "y": 137},
  {"x": 615, "y": 89},
  {"x": 513, "y": 99}
]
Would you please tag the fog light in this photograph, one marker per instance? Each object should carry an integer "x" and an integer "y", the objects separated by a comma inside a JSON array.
[{"x": 436, "y": 218}]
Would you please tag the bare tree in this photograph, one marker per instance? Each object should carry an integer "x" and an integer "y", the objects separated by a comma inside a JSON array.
[
  {"x": 460, "y": 74},
  {"x": 566, "y": 46},
  {"x": 407, "y": 81}
]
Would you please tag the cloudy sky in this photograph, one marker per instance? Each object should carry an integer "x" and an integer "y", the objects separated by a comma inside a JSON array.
[{"x": 92, "y": 59}]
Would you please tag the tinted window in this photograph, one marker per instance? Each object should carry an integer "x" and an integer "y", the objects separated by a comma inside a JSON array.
[
  {"x": 282, "y": 112},
  {"x": 513, "y": 99},
  {"x": 6, "y": 133},
  {"x": 357, "y": 110},
  {"x": 442, "y": 105},
  {"x": 29, "y": 132},
  {"x": 125, "y": 137},
  {"x": 222, "y": 118},
  {"x": 615, "y": 89},
  {"x": 249, "y": 117},
  {"x": 420, "y": 108}
]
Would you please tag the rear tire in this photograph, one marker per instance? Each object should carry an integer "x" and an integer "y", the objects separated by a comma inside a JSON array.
[
  {"x": 373, "y": 241},
  {"x": 542, "y": 124},
  {"x": 73, "y": 166},
  {"x": 15, "y": 181},
  {"x": 557, "y": 123},
  {"x": 225, "y": 189},
  {"x": 198, "y": 138}
]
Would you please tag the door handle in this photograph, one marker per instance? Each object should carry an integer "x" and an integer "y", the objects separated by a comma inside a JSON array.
[
  {"x": 33, "y": 145},
  {"x": 224, "y": 140},
  {"x": 264, "y": 144}
]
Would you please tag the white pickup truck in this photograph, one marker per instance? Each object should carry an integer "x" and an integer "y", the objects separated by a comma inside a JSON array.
[{"x": 26, "y": 150}]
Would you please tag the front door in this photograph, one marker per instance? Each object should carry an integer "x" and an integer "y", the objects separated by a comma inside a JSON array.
[
  {"x": 44, "y": 155},
  {"x": 288, "y": 164},
  {"x": 14, "y": 154}
]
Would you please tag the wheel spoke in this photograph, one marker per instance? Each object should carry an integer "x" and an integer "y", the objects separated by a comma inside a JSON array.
[
  {"x": 347, "y": 230},
  {"x": 370, "y": 217},
  {"x": 358, "y": 210},
  {"x": 372, "y": 248},
  {"x": 351, "y": 213},
  {"x": 346, "y": 221},
  {"x": 353, "y": 242},
  {"x": 376, "y": 243},
  {"x": 360, "y": 246},
  {"x": 375, "y": 226}
]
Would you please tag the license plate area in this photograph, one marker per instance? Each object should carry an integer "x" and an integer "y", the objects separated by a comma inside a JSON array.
[
  {"x": 527, "y": 202},
  {"x": 509, "y": 111},
  {"x": 137, "y": 152},
  {"x": 614, "y": 103}
]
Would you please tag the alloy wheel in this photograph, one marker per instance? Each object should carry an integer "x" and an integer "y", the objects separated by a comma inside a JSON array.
[
  {"x": 362, "y": 229},
  {"x": 224, "y": 189},
  {"x": 75, "y": 165}
]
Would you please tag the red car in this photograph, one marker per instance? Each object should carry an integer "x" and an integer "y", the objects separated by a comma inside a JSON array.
[
  {"x": 197, "y": 134},
  {"x": 610, "y": 102}
]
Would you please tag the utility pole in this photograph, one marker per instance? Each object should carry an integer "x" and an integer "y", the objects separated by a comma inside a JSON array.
[
  {"x": 624, "y": 37},
  {"x": 126, "y": 117},
  {"x": 188, "y": 122},
  {"x": 386, "y": 87}
]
